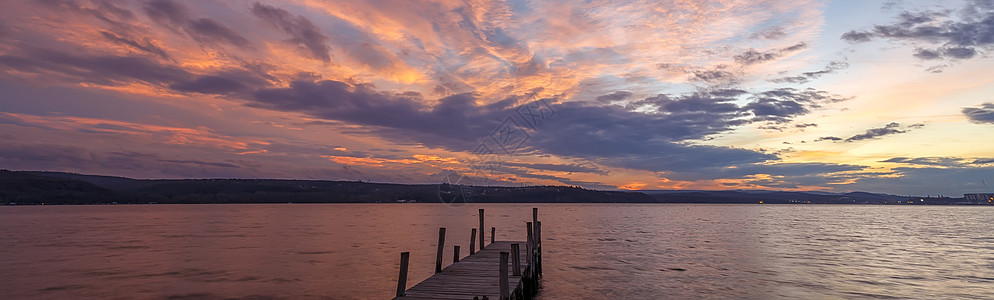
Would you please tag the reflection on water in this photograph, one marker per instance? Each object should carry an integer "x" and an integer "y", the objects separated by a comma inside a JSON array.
[{"x": 596, "y": 251}]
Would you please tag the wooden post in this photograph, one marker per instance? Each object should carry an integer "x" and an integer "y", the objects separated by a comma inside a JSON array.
[
  {"x": 481, "y": 229},
  {"x": 405, "y": 258},
  {"x": 516, "y": 259},
  {"x": 538, "y": 247},
  {"x": 472, "y": 242},
  {"x": 530, "y": 245},
  {"x": 455, "y": 254},
  {"x": 528, "y": 260},
  {"x": 531, "y": 234},
  {"x": 534, "y": 214},
  {"x": 441, "y": 247},
  {"x": 493, "y": 234},
  {"x": 504, "y": 285}
]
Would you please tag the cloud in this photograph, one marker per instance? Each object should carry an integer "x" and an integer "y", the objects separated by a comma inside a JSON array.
[
  {"x": 203, "y": 30},
  {"x": 569, "y": 168},
  {"x": 873, "y": 133},
  {"x": 783, "y": 104},
  {"x": 829, "y": 138},
  {"x": 615, "y": 96},
  {"x": 808, "y": 76},
  {"x": 145, "y": 45},
  {"x": 224, "y": 82},
  {"x": 718, "y": 76},
  {"x": 103, "y": 69},
  {"x": 980, "y": 115},
  {"x": 951, "y": 36},
  {"x": 948, "y": 181},
  {"x": 927, "y": 161},
  {"x": 610, "y": 134},
  {"x": 751, "y": 56},
  {"x": 301, "y": 30},
  {"x": 769, "y": 33}
]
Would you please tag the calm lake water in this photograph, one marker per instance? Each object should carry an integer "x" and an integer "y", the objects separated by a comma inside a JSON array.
[{"x": 595, "y": 251}]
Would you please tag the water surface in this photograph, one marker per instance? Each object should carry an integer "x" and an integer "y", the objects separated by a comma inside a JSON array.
[{"x": 593, "y": 251}]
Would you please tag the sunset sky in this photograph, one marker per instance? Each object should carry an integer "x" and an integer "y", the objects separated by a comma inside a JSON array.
[{"x": 894, "y": 97}]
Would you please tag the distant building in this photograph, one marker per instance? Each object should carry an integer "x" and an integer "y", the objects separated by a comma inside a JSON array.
[{"x": 980, "y": 197}]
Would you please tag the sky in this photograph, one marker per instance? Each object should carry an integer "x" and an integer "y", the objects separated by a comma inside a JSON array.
[{"x": 881, "y": 96}]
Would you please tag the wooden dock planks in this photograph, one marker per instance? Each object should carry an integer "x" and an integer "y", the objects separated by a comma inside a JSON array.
[{"x": 474, "y": 275}]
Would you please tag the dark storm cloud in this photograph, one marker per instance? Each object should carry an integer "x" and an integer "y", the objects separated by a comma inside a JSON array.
[
  {"x": 959, "y": 37},
  {"x": 927, "y": 161},
  {"x": 808, "y": 76},
  {"x": 145, "y": 45},
  {"x": 873, "y": 133},
  {"x": 301, "y": 30},
  {"x": 752, "y": 56},
  {"x": 203, "y": 30},
  {"x": 980, "y": 115}
]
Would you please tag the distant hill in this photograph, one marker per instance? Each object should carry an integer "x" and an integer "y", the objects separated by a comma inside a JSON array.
[
  {"x": 781, "y": 197},
  {"x": 37, "y": 187},
  {"x": 26, "y": 188}
]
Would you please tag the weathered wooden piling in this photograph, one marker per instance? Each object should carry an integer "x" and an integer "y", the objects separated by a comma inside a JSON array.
[
  {"x": 538, "y": 247},
  {"x": 472, "y": 242},
  {"x": 441, "y": 247},
  {"x": 516, "y": 259},
  {"x": 505, "y": 292},
  {"x": 484, "y": 274},
  {"x": 405, "y": 258},
  {"x": 481, "y": 229}
]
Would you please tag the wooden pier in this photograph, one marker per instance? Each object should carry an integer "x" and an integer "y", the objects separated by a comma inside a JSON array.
[{"x": 501, "y": 270}]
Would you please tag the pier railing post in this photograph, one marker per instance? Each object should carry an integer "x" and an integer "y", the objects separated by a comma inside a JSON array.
[
  {"x": 481, "y": 229},
  {"x": 441, "y": 247},
  {"x": 493, "y": 234},
  {"x": 472, "y": 242},
  {"x": 516, "y": 259},
  {"x": 405, "y": 258},
  {"x": 504, "y": 284},
  {"x": 455, "y": 254}
]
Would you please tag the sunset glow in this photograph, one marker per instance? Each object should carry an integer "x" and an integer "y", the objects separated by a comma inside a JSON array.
[{"x": 882, "y": 96}]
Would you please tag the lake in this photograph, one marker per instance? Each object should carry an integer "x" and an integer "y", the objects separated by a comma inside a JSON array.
[{"x": 591, "y": 251}]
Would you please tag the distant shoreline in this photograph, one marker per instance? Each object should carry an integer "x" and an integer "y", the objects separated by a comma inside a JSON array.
[{"x": 59, "y": 188}]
